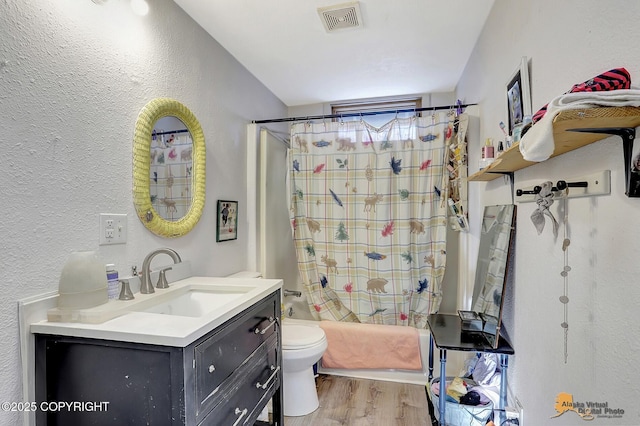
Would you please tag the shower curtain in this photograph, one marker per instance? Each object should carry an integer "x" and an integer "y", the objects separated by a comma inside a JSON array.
[{"x": 368, "y": 215}]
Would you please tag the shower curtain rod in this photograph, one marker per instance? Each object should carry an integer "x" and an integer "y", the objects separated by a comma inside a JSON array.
[{"x": 360, "y": 114}]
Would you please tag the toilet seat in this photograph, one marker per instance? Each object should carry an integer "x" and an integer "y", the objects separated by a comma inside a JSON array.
[{"x": 301, "y": 336}]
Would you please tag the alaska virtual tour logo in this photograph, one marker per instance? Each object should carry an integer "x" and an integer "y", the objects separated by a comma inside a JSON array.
[{"x": 588, "y": 410}]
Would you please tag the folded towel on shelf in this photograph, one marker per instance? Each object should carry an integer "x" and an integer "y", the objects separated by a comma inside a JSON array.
[
  {"x": 355, "y": 345},
  {"x": 538, "y": 144},
  {"x": 615, "y": 79}
]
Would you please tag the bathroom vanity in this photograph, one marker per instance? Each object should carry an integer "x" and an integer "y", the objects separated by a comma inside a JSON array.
[{"x": 114, "y": 373}]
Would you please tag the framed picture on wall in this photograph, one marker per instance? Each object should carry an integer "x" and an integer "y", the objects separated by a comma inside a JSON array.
[
  {"x": 227, "y": 221},
  {"x": 633, "y": 183},
  {"x": 518, "y": 95}
]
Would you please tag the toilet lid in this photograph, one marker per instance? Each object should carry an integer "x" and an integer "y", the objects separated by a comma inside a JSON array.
[{"x": 300, "y": 336}]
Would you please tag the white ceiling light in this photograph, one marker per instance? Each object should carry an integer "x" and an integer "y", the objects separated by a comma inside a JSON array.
[
  {"x": 341, "y": 16},
  {"x": 140, "y": 7}
]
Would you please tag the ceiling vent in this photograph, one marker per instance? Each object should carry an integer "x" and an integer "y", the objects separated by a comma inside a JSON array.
[{"x": 341, "y": 16}]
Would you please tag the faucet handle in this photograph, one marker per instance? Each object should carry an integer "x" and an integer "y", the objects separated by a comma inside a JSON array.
[
  {"x": 162, "y": 279},
  {"x": 125, "y": 292}
]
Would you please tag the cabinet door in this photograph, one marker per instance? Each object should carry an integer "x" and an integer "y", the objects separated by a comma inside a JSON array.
[
  {"x": 221, "y": 354},
  {"x": 137, "y": 384}
]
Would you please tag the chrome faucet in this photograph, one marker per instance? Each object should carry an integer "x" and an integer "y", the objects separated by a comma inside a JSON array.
[
  {"x": 294, "y": 293},
  {"x": 145, "y": 277}
]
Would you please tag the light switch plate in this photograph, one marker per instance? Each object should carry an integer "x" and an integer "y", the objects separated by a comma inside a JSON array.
[{"x": 113, "y": 228}]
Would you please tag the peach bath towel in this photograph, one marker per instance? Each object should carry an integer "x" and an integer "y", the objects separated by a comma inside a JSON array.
[{"x": 356, "y": 345}]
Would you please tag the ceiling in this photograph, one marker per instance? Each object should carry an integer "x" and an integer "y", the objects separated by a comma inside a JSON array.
[{"x": 402, "y": 47}]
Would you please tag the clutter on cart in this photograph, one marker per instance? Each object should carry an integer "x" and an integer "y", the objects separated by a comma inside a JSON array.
[{"x": 471, "y": 397}]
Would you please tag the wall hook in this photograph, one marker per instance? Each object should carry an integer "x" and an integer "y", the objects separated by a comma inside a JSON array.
[
  {"x": 582, "y": 186},
  {"x": 628, "y": 136},
  {"x": 536, "y": 190},
  {"x": 562, "y": 185}
]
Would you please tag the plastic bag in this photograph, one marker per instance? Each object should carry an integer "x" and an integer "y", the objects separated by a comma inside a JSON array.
[{"x": 486, "y": 372}]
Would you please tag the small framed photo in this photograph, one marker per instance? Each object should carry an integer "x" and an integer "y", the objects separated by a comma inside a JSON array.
[
  {"x": 633, "y": 178},
  {"x": 227, "y": 226},
  {"x": 518, "y": 95}
]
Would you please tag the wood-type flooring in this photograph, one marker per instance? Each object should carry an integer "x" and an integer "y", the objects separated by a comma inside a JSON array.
[{"x": 358, "y": 402}]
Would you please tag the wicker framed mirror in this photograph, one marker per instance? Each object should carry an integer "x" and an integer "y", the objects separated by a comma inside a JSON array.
[{"x": 171, "y": 166}]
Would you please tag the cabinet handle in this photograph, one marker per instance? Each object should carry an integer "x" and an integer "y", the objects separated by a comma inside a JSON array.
[
  {"x": 264, "y": 330},
  {"x": 273, "y": 375},
  {"x": 242, "y": 414},
  {"x": 212, "y": 368}
]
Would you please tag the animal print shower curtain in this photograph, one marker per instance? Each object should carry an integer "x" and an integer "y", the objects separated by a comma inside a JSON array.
[{"x": 368, "y": 215}]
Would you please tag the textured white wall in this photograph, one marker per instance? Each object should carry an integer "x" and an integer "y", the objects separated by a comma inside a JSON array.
[
  {"x": 568, "y": 42},
  {"x": 73, "y": 77}
]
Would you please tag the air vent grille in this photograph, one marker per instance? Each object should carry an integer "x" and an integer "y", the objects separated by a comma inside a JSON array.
[{"x": 341, "y": 16}]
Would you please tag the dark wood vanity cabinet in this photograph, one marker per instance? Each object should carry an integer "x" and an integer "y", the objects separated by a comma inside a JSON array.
[{"x": 224, "y": 378}]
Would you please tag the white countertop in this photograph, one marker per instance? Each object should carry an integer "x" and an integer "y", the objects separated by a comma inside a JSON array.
[{"x": 131, "y": 325}]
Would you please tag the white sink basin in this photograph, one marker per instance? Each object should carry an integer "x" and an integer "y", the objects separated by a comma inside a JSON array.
[
  {"x": 176, "y": 316},
  {"x": 194, "y": 303}
]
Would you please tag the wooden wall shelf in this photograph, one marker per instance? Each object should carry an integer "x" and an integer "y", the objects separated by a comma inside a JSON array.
[{"x": 511, "y": 160}]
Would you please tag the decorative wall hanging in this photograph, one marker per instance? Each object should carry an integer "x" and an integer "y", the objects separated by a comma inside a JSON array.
[
  {"x": 457, "y": 167},
  {"x": 545, "y": 194},
  {"x": 564, "y": 299},
  {"x": 227, "y": 226}
]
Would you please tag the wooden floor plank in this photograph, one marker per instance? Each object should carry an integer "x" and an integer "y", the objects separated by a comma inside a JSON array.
[{"x": 346, "y": 401}]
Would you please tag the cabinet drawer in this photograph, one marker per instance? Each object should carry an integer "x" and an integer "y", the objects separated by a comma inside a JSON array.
[
  {"x": 218, "y": 357},
  {"x": 248, "y": 389}
]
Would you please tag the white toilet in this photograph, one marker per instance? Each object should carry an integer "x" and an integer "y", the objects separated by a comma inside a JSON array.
[{"x": 302, "y": 347}]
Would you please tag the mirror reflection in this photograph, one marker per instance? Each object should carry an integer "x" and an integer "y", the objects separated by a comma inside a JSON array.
[
  {"x": 496, "y": 239},
  {"x": 171, "y": 168}
]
